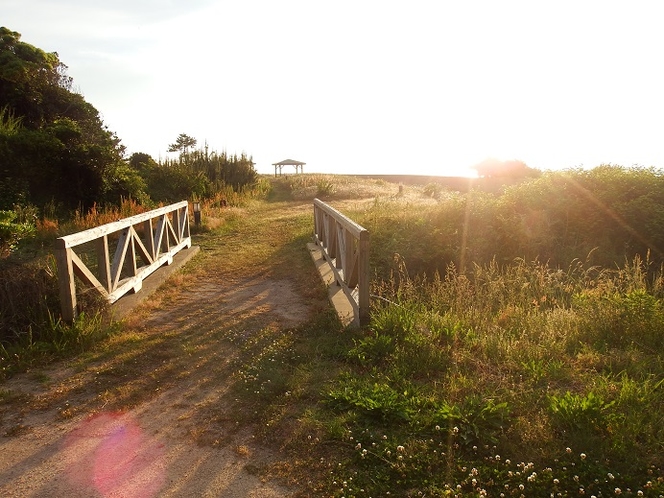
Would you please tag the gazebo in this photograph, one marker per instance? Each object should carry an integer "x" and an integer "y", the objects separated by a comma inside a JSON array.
[{"x": 299, "y": 166}]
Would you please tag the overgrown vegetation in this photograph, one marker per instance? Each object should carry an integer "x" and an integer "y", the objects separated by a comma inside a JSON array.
[
  {"x": 507, "y": 377},
  {"x": 513, "y": 376}
]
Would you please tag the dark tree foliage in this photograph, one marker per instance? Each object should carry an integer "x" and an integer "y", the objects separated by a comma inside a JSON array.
[
  {"x": 62, "y": 152},
  {"x": 199, "y": 173}
]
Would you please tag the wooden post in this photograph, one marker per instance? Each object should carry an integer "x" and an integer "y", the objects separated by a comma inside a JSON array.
[
  {"x": 364, "y": 278},
  {"x": 66, "y": 280},
  {"x": 148, "y": 236},
  {"x": 103, "y": 263}
]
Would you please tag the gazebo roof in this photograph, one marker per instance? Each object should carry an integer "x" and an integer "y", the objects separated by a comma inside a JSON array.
[{"x": 290, "y": 162}]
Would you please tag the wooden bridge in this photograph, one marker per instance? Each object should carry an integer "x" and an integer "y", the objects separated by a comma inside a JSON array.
[{"x": 117, "y": 257}]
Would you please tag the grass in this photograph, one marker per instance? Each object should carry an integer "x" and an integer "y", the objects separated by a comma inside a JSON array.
[{"x": 515, "y": 378}]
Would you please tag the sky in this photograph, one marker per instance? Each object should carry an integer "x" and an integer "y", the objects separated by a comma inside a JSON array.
[{"x": 428, "y": 87}]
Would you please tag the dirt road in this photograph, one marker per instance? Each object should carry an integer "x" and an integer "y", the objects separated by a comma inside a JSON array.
[{"x": 150, "y": 412}]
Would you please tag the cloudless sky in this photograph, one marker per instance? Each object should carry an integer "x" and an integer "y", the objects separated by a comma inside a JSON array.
[{"x": 366, "y": 86}]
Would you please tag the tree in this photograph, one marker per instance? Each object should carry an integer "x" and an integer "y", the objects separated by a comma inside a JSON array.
[
  {"x": 57, "y": 147},
  {"x": 182, "y": 144}
]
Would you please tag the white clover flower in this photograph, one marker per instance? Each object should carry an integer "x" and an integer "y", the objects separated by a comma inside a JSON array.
[
  {"x": 583, "y": 456},
  {"x": 617, "y": 491},
  {"x": 556, "y": 482},
  {"x": 568, "y": 450},
  {"x": 400, "y": 448},
  {"x": 358, "y": 446},
  {"x": 437, "y": 427}
]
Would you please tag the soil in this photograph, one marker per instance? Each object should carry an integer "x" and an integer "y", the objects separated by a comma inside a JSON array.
[{"x": 67, "y": 430}]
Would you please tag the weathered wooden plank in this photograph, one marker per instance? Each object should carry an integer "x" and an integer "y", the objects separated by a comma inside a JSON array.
[
  {"x": 119, "y": 257},
  {"x": 364, "y": 278},
  {"x": 345, "y": 245},
  {"x": 157, "y": 249},
  {"x": 103, "y": 263},
  {"x": 66, "y": 282},
  {"x": 84, "y": 273},
  {"x": 94, "y": 233},
  {"x": 353, "y": 227},
  {"x": 129, "y": 284}
]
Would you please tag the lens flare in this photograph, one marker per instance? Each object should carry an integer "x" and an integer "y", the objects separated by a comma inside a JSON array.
[{"x": 115, "y": 457}]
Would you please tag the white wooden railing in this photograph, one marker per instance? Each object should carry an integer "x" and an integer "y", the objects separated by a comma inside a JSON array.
[
  {"x": 115, "y": 258},
  {"x": 345, "y": 245}
]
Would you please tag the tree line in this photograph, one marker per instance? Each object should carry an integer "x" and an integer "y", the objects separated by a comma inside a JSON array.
[{"x": 55, "y": 149}]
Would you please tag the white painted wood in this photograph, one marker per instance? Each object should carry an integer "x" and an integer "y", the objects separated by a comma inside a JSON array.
[
  {"x": 165, "y": 233},
  {"x": 345, "y": 245}
]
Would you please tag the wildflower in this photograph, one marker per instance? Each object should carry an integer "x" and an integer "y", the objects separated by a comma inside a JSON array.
[
  {"x": 556, "y": 482},
  {"x": 610, "y": 476},
  {"x": 617, "y": 491},
  {"x": 568, "y": 450},
  {"x": 521, "y": 487},
  {"x": 583, "y": 456},
  {"x": 498, "y": 459},
  {"x": 400, "y": 448},
  {"x": 455, "y": 430},
  {"x": 358, "y": 446}
]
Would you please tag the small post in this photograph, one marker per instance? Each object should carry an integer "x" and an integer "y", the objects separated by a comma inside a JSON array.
[
  {"x": 66, "y": 280},
  {"x": 364, "y": 276},
  {"x": 197, "y": 213}
]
